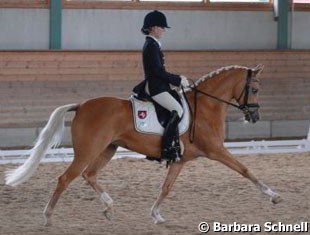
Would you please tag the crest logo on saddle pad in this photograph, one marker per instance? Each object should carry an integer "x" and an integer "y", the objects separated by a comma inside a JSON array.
[
  {"x": 145, "y": 118},
  {"x": 142, "y": 114}
]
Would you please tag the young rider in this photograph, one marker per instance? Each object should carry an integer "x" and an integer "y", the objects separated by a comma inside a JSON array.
[{"x": 158, "y": 82}]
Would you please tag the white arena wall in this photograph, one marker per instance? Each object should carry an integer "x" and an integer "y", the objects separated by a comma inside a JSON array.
[
  {"x": 190, "y": 30},
  {"x": 107, "y": 29},
  {"x": 24, "y": 29},
  {"x": 301, "y": 30}
]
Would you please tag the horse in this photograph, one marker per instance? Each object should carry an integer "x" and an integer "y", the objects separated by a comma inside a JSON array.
[{"x": 101, "y": 125}]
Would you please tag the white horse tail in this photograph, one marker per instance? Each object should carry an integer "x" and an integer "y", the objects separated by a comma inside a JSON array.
[{"x": 50, "y": 136}]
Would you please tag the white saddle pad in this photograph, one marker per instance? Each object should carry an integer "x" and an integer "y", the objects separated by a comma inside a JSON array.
[{"x": 146, "y": 121}]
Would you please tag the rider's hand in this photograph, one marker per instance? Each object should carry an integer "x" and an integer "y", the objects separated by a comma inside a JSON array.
[{"x": 184, "y": 81}]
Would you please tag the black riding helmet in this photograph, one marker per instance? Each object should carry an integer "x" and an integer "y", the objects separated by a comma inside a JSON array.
[{"x": 154, "y": 18}]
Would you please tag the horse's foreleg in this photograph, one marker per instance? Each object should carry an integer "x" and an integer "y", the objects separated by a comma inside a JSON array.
[
  {"x": 90, "y": 175},
  {"x": 172, "y": 175},
  {"x": 226, "y": 158}
]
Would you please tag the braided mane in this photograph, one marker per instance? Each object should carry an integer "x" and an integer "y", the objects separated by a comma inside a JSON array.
[{"x": 215, "y": 72}]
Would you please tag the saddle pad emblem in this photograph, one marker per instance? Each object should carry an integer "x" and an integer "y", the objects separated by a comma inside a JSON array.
[
  {"x": 145, "y": 118},
  {"x": 142, "y": 114}
]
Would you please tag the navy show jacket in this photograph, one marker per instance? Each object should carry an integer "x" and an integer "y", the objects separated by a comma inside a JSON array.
[{"x": 155, "y": 74}]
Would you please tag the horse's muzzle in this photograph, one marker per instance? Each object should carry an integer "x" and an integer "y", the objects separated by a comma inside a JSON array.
[
  {"x": 252, "y": 117},
  {"x": 251, "y": 113}
]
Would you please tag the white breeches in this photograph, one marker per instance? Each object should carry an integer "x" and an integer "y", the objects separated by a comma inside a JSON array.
[{"x": 168, "y": 102}]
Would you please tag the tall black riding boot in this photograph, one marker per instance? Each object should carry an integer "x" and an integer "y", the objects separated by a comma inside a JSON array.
[{"x": 170, "y": 142}]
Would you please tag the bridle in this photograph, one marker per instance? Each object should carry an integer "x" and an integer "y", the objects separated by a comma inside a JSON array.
[{"x": 246, "y": 107}]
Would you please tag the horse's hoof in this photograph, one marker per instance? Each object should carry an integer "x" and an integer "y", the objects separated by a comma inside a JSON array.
[
  {"x": 159, "y": 221},
  {"x": 47, "y": 223},
  {"x": 108, "y": 214},
  {"x": 276, "y": 199}
]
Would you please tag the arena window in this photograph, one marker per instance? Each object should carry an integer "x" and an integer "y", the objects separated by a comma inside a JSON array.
[
  {"x": 259, "y": 1},
  {"x": 23, "y": 3},
  {"x": 246, "y": 5},
  {"x": 255, "y": 5},
  {"x": 301, "y": 5},
  {"x": 301, "y": 1},
  {"x": 171, "y": 1}
]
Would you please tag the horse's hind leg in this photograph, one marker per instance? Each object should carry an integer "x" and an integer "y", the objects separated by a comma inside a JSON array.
[
  {"x": 226, "y": 158},
  {"x": 90, "y": 175},
  {"x": 74, "y": 170},
  {"x": 172, "y": 175}
]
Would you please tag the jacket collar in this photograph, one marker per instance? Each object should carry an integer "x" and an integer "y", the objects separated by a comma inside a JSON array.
[{"x": 155, "y": 39}]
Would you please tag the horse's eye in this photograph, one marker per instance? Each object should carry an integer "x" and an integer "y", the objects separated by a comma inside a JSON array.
[{"x": 254, "y": 90}]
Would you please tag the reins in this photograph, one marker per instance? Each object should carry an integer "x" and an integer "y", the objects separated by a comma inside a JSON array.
[
  {"x": 243, "y": 107},
  {"x": 193, "y": 114},
  {"x": 216, "y": 98}
]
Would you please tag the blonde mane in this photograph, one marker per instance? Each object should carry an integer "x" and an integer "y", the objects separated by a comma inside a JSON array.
[
  {"x": 213, "y": 73},
  {"x": 218, "y": 71}
]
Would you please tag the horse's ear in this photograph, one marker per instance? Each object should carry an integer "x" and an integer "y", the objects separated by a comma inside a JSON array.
[{"x": 258, "y": 69}]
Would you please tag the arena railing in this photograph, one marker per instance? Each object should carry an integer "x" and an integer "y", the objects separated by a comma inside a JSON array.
[{"x": 238, "y": 148}]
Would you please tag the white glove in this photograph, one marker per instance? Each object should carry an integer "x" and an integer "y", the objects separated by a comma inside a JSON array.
[{"x": 184, "y": 81}]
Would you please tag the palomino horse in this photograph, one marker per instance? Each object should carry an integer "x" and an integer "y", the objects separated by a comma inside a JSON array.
[{"x": 101, "y": 125}]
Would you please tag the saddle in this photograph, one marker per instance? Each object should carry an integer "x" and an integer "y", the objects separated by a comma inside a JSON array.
[{"x": 149, "y": 119}]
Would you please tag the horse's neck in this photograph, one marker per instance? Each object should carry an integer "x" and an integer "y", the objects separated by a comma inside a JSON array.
[
  {"x": 211, "y": 112},
  {"x": 220, "y": 86}
]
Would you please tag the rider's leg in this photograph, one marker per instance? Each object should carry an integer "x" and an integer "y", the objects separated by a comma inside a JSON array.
[
  {"x": 169, "y": 149},
  {"x": 167, "y": 101}
]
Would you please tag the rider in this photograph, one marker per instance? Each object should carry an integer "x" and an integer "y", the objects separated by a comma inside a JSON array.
[{"x": 158, "y": 82}]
